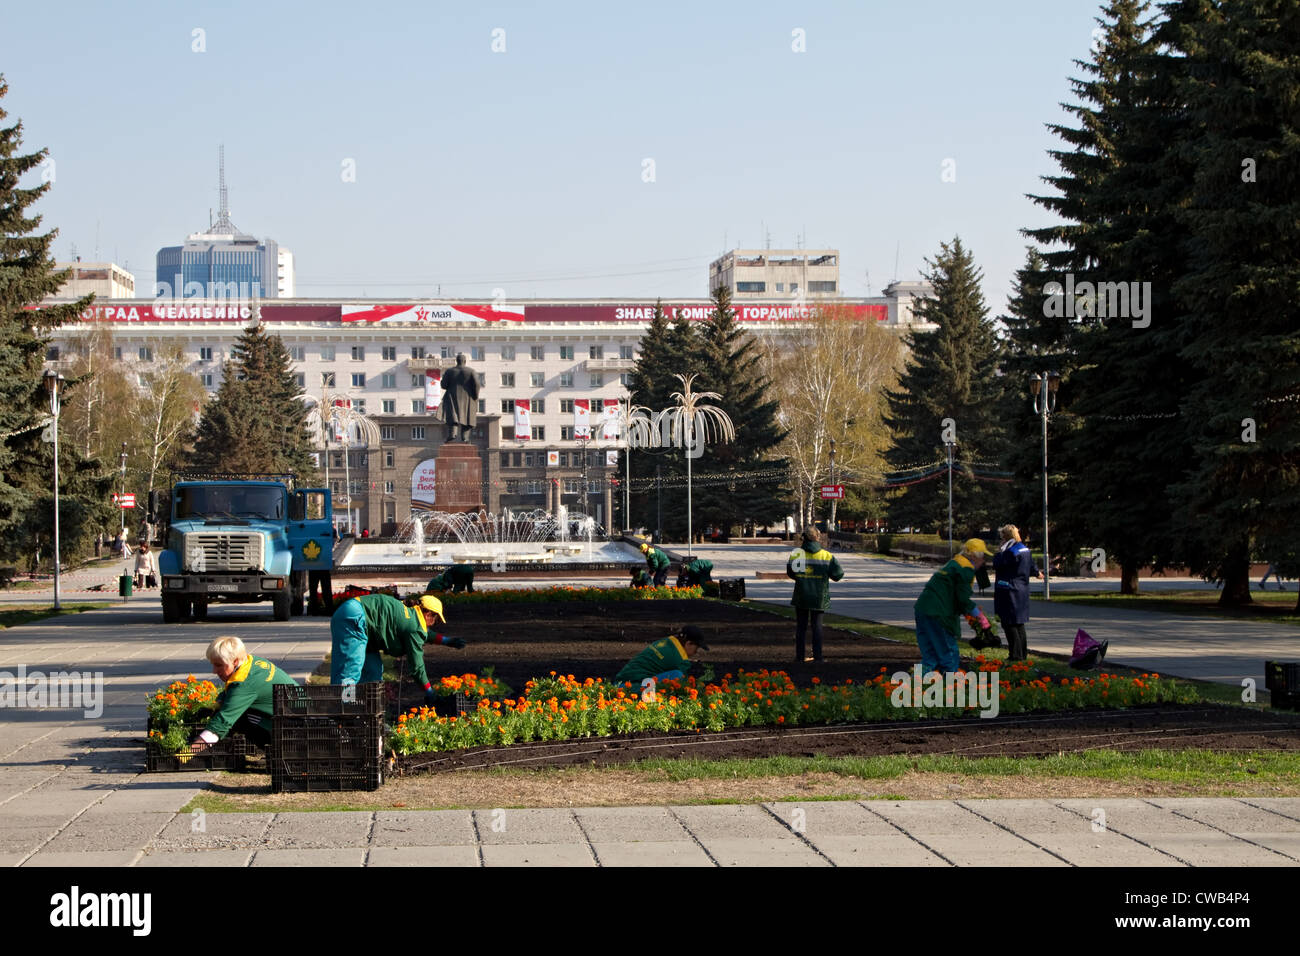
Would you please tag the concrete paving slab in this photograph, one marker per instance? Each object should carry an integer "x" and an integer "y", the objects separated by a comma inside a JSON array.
[
  {"x": 84, "y": 859},
  {"x": 25, "y": 839},
  {"x": 1214, "y": 849},
  {"x": 1102, "y": 849},
  {"x": 109, "y": 832},
  {"x": 537, "y": 854},
  {"x": 216, "y": 831},
  {"x": 875, "y": 850},
  {"x": 442, "y": 855},
  {"x": 1029, "y": 816},
  {"x": 1229, "y": 815},
  {"x": 762, "y": 852},
  {"x": 1289, "y": 806},
  {"x": 11, "y": 859},
  {"x": 145, "y": 799},
  {"x": 189, "y": 858},
  {"x": 672, "y": 853},
  {"x": 630, "y": 825},
  {"x": 827, "y": 818},
  {"x": 425, "y": 828},
  {"x": 350, "y": 856},
  {"x": 1288, "y": 843},
  {"x": 932, "y": 817},
  {"x": 50, "y": 803},
  {"x": 982, "y": 848},
  {"x": 1136, "y": 817},
  {"x": 342, "y": 828},
  {"x": 527, "y": 826},
  {"x": 735, "y": 822}
]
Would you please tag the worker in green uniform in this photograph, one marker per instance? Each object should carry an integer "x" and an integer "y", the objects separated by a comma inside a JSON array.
[
  {"x": 364, "y": 626},
  {"x": 656, "y": 563},
  {"x": 666, "y": 659},
  {"x": 938, "y": 611},
  {"x": 457, "y": 578},
  {"x": 812, "y": 568},
  {"x": 245, "y": 703},
  {"x": 694, "y": 572}
]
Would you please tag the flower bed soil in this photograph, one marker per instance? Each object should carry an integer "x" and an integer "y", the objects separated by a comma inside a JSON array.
[{"x": 522, "y": 641}]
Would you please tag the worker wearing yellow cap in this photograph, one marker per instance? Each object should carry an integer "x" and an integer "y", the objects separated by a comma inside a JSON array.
[
  {"x": 939, "y": 609},
  {"x": 364, "y": 626}
]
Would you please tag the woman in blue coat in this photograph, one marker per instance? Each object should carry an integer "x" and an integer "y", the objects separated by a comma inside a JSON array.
[{"x": 1012, "y": 567}]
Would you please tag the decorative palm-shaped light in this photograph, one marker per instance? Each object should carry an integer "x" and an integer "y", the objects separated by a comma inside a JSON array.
[
  {"x": 636, "y": 427},
  {"x": 338, "y": 416},
  {"x": 692, "y": 419}
]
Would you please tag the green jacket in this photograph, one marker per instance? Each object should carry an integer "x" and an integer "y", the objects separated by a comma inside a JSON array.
[
  {"x": 812, "y": 583},
  {"x": 699, "y": 567},
  {"x": 947, "y": 595},
  {"x": 457, "y": 574},
  {"x": 249, "y": 688},
  {"x": 656, "y": 560},
  {"x": 665, "y": 655},
  {"x": 396, "y": 629}
]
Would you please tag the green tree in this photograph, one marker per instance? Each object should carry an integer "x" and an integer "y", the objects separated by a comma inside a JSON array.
[
  {"x": 27, "y": 278},
  {"x": 257, "y": 421},
  {"x": 1240, "y": 320},
  {"x": 951, "y": 375}
]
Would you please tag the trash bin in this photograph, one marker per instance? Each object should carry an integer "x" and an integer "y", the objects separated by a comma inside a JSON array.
[{"x": 124, "y": 585}]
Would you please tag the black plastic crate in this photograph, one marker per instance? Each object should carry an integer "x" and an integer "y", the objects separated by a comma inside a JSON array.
[
  {"x": 228, "y": 754},
  {"x": 731, "y": 589},
  {"x": 328, "y": 700},
  {"x": 329, "y": 738},
  {"x": 453, "y": 705},
  {"x": 324, "y": 775}
]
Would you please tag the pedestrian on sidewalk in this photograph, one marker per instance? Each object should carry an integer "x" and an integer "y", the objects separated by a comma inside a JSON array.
[
  {"x": 812, "y": 568},
  {"x": 939, "y": 609},
  {"x": 144, "y": 566},
  {"x": 1277, "y": 578},
  {"x": 1012, "y": 567}
]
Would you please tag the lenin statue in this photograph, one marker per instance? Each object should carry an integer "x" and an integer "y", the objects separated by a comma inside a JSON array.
[{"x": 460, "y": 403}]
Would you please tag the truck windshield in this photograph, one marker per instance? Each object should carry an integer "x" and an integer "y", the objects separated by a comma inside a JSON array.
[{"x": 229, "y": 501}]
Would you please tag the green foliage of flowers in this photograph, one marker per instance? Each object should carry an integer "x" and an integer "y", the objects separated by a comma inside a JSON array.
[
  {"x": 175, "y": 710},
  {"x": 560, "y": 706},
  {"x": 560, "y": 593}
]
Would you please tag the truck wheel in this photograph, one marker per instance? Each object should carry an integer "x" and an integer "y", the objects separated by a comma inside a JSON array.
[
  {"x": 171, "y": 606},
  {"x": 200, "y": 609},
  {"x": 281, "y": 603}
]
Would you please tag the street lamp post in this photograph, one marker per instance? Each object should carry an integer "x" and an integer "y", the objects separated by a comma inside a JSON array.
[
  {"x": 1044, "y": 387},
  {"x": 950, "y": 446},
  {"x": 834, "y": 501},
  {"x": 121, "y": 463},
  {"x": 52, "y": 382}
]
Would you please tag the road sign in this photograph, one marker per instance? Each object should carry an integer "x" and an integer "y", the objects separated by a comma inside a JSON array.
[
  {"x": 343, "y": 500},
  {"x": 832, "y": 491},
  {"x": 125, "y": 501}
]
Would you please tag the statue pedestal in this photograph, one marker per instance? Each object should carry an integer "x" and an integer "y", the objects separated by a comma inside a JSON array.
[{"x": 458, "y": 478}]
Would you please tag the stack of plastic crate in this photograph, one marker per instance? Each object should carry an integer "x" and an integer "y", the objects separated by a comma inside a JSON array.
[
  {"x": 230, "y": 753},
  {"x": 327, "y": 737}
]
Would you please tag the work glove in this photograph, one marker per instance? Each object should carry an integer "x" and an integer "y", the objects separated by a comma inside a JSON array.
[
  {"x": 456, "y": 642},
  {"x": 429, "y": 697}
]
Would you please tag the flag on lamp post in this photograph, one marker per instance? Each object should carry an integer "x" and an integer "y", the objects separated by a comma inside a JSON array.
[
  {"x": 523, "y": 430},
  {"x": 432, "y": 388},
  {"x": 609, "y": 428},
  {"x": 582, "y": 418}
]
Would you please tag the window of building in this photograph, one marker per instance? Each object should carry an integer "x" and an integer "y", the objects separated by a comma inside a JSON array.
[
  {"x": 482, "y": 379},
  {"x": 537, "y": 379},
  {"x": 327, "y": 379},
  {"x": 566, "y": 433},
  {"x": 389, "y": 406},
  {"x": 566, "y": 406},
  {"x": 358, "y": 353},
  {"x": 389, "y": 456},
  {"x": 388, "y": 353},
  {"x": 507, "y": 353},
  {"x": 596, "y": 352},
  {"x": 417, "y": 381},
  {"x": 117, "y": 352},
  {"x": 358, "y": 379},
  {"x": 336, "y": 486},
  {"x": 507, "y": 406},
  {"x": 205, "y": 353},
  {"x": 297, "y": 353},
  {"x": 531, "y": 459},
  {"x": 780, "y": 287},
  {"x": 327, "y": 353},
  {"x": 564, "y": 459},
  {"x": 537, "y": 406},
  {"x": 537, "y": 352},
  {"x": 566, "y": 352},
  {"x": 482, "y": 406},
  {"x": 417, "y": 406},
  {"x": 505, "y": 459},
  {"x": 821, "y": 285},
  {"x": 751, "y": 286},
  {"x": 388, "y": 433},
  {"x": 597, "y": 380},
  {"x": 794, "y": 287},
  {"x": 359, "y": 405},
  {"x": 338, "y": 459},
  {"x": 207, "y": 380},
  {"x": 299, "y": 379},
  {"x": 625, "y": 379},
  {"x": 516, "y": 458},
  {"x": 625, "y": 351},
  {"x": 539, "y": 433},
  {"x": 507, "y": 379},
  {"x": 389, "y": 380},
  {"x": 572, "y": 486},
  {"x": 446, "y": 352},
  {"x": 476, "y": 353},
  {"x": 146, "y": 353},
  {"x": 417, "y": 351},
  {"x": 566, "y": 380},
  {"x": 417, "y": 433}
]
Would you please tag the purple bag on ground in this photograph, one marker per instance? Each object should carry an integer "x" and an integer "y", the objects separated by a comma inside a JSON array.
[{"x": 1088, "y": 654}]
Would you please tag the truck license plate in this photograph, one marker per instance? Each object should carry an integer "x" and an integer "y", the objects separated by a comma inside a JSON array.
[{"x": 223, "y": 587}]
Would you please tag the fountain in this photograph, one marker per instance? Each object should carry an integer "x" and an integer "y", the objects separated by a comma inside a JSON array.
[{"x": 512, "y": 541}]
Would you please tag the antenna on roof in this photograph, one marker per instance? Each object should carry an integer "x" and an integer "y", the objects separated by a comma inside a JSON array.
[
  {"x": 223, "y": 223},
  {"x": 897, "y": 249}
]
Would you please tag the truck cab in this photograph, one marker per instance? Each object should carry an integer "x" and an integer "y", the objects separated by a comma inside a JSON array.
[{"x": 242, "y": 541}]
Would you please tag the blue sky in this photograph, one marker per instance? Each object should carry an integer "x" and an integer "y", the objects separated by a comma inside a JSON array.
[{"x": 524, "y": 169}]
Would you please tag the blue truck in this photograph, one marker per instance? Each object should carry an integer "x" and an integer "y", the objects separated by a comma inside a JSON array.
[{"x": 240, "y": 540}]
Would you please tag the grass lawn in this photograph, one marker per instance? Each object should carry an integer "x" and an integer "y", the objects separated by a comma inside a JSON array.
[
  {"x": 1277, "y": 607},
  {"x": 13, "y": 615}
]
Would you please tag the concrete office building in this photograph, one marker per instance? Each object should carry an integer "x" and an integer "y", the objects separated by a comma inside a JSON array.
[
  {"x": 106, "y": 280},
  {"x": 798, "y": 274}
]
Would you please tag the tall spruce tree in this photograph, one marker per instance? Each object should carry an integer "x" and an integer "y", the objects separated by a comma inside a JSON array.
[
  {"x": 951, "y": 374},
  {"x": 1241, "y": 290},
  {"x": 256, "y": 423},
  {"x": 732, "y": 366},
  {"x": 27, "y": 278}
]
